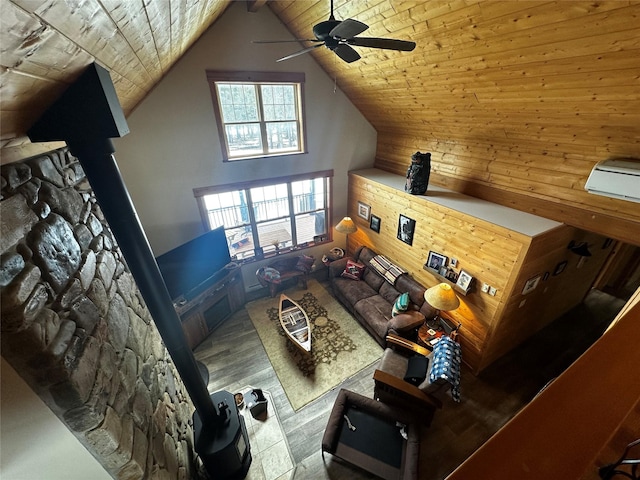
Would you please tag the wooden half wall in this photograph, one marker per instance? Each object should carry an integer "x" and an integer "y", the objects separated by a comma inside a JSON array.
[
  {"x": 535, "y": 179},
  {"x": 499, "y": 246},
  {"x": 580, "y": 422}
]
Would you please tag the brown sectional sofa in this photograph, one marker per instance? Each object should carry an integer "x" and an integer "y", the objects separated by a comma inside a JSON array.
[{"x": 371, "y": 298}]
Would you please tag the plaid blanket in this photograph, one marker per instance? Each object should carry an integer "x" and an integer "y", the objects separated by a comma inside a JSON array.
[
  {"x": 447, "y": 358},
  {"x": 389, "y": 271}
]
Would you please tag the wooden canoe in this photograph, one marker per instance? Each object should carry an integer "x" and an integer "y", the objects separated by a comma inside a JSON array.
[{"x": 295, "y": 323}]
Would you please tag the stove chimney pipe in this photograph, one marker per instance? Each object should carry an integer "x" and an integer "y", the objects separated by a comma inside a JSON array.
[{"x": 87, "y": 116}]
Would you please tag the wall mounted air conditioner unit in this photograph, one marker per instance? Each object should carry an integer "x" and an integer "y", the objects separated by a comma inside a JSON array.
[{"x": 619, "y": 178}]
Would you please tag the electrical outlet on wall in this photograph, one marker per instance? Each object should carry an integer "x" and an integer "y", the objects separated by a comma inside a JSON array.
[
  {"x": 485, "y": 287},
  {"x": 492, "y": 291}
]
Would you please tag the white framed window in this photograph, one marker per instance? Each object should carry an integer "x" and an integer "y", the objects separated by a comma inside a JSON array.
[
  {"x": 259, "y": 114},
  {"x": 269, "y": 216}
]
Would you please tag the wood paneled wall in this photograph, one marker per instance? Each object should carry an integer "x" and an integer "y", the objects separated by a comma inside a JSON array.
[
  {"x": 581, "y": 421},
  {"x": 47, "y": 44},
  {"x": 525, "y": 314},
  {"x": 516, "y": 100},
  {"x": 502, "y": 257},
  {"x": 517, "y": 104}
]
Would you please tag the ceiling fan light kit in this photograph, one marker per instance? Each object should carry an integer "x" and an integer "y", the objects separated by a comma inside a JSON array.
[{"x": 338, "y": 36}]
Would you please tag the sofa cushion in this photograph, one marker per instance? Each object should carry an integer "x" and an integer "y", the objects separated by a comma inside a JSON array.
[
  {"x": 405, "y": 322},
  {"x": 427, "y": 310},
  {"x": 372, "y": 278},
  {"x": 405, "y": 283},
  {"x": 389, "y": 294},
  {"x": 365, "y": 255},
  {"x": 353, "y": 270},
  {"x": 375, "y": 310},
  {"x": 351, "y": 291},
  {"x": 400, "y": 305},
  {"x": 304, "y": 263}
]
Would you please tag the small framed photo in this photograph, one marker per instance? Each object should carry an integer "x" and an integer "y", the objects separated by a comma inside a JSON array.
[
  {"x": 464, "y": 280},
  {"x": 451, "y": 275},
  {"x": 375, "y": 224},
  {"x": 364, "y": 210},
  {"x": 560, "y": 268},
  {"x": 436, "y": 261},
  {"x": 406, "y": 228},
  {"x": 531, "y": 284}
]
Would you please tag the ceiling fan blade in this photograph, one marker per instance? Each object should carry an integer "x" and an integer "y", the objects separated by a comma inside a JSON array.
[
  {"x": 348, "y": 28},
  {"x": 386, "y": 43},
  {"x": 300, "y": 52},
  {"x": 346, "y": 53},
  {"x": 287, "y": 41}
]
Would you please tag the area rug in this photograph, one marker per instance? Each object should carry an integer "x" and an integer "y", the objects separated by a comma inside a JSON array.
[{"x": 340, "y": 347}]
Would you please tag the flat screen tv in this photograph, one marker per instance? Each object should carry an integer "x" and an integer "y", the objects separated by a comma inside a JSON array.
[{"x": 195, "y": 264}]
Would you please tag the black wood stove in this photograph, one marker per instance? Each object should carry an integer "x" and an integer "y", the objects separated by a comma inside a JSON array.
[{"x": 225, "y": 448}]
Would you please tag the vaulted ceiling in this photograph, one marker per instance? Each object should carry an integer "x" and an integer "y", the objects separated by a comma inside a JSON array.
[
  {"x": 527, "y": 53},
  {"x": 540, "y": 89}
]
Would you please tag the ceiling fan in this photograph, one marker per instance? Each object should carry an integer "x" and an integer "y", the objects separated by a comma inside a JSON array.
[{"x": 338, "y": 36}]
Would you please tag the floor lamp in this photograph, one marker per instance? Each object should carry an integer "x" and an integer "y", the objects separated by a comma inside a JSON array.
[{"x": 346, "y": 226}]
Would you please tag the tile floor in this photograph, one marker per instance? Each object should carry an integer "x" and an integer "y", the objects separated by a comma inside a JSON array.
[{"x": 272, "y": 459}]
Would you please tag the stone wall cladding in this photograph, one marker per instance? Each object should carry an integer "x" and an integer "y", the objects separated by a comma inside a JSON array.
[{"x": 76, "y": 328}]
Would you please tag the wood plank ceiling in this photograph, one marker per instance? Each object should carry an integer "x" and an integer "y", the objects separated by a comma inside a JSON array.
[
  {"x": 46, "y": 44},
  {"x": 512, "y": 97}
]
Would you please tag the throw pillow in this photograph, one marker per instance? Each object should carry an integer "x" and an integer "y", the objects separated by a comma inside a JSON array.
[
  {"x": 353, "y": 270},
  {"x": 416, "y": 369},
  {"x": 404, "y": 322},
  {"x": 305, "y": 263},
  {"x": 401, "y": 304},
  {"x": 271, "y": 275}
]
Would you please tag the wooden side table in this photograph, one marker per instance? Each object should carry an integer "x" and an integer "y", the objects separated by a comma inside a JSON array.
[
  {"x": 425, "y": 338},
  {"x": 445, "y": 326}
]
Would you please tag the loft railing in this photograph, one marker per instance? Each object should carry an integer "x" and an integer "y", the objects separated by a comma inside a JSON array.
[{"x": 238, "y": 215}]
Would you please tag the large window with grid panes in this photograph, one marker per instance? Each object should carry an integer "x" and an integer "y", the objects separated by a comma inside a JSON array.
[
  {"x": 258, "y": 114},
  {"x": 269, "y": 216}
]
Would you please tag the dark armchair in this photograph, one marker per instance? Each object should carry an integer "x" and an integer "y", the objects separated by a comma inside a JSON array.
[{"x": 376, "y": 437}]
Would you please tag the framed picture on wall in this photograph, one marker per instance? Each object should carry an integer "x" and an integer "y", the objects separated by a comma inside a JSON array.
[
  {"x": 560, "y": 268},
  {"x": 464, "y": 280},
  {"x": 375, "y": 224},
  {"x": 531, "y": 284},
  {"x": 436, "y": 261},
  {"x": 406, "y": 227},
  {"x": 364, "y": 210}
]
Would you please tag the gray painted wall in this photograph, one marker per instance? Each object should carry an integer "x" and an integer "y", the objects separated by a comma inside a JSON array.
[{"x": 173, "y": 146}]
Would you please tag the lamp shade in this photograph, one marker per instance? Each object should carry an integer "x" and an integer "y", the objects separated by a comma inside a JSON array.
[
  {"x": 442, "y": 297},
  {"x": 346, "y": 226}
]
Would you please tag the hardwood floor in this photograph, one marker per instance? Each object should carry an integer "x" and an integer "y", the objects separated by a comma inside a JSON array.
[{"x": 236, "y": 358}]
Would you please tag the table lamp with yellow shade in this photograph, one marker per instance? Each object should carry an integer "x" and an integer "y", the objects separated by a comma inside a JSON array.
[{"x": 442, "y": 298}]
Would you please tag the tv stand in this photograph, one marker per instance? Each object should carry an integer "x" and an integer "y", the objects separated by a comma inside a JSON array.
[{"x": 204, "y": 312}]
